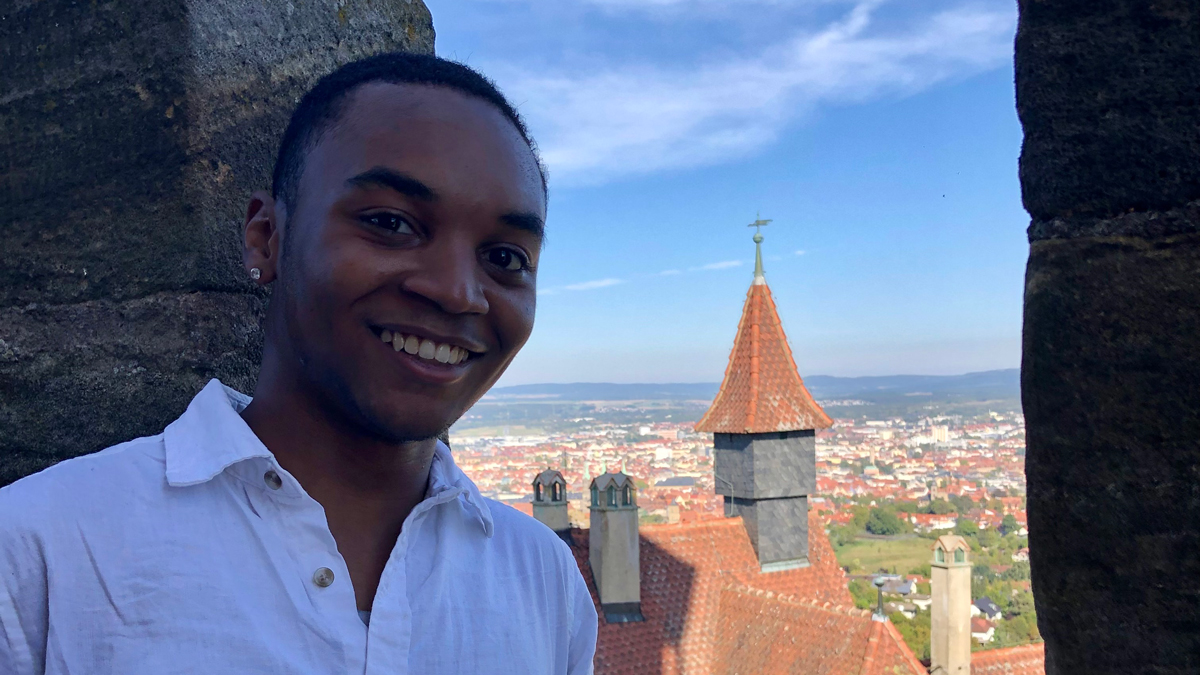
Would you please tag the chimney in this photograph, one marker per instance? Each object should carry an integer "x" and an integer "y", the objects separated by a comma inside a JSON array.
[
  {"x": 764, "y": 423},
  {"x": 950, "y": 612},
  {"x": 550, "y": 502},
  {"x": 613, "y": 547}
]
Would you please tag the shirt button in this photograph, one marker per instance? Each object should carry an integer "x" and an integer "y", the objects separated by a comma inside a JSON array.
[
  {"x": 272, "y": 480},
  {"x": 323, "y": 577}
]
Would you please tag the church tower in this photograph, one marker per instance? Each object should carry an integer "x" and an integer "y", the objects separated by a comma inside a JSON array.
[
  {"x": 950, "y": 611},
  {"x": 764, "y": 424}
]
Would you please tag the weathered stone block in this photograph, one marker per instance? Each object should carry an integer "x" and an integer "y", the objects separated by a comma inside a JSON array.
[
  {"x": 131, "y": 136},
  {"x": 1108, "y": 93},
  {"x": 765, "y": 466},
  {"x": 1111, "y": 389}
]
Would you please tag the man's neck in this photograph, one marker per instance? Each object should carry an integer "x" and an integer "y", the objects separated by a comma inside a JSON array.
[{"x": 331, "y": 459}]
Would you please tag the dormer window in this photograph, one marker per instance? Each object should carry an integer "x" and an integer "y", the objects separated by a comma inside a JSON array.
[
  {"x": 612, "y": 495},
  {"x": 960, "y": 556},
  {"x": 626, "y": 496},
  {"x": 595, "y": 496},
  {"x": 537, "y": 492},
  {"x": 556, "y": 492},
  {"x": 939, "y": 555}
]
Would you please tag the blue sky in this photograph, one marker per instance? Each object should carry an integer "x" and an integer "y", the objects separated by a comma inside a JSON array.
[{"x": 880, "y": 137}]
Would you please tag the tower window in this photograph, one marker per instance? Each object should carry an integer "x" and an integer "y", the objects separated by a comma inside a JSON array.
[
  {"x": 537, "y": 492},
  {"x": 939, "y": 555},
  {"x": 960, "y": 556},
  {"x": 626, "y": 496},
  {"x": 595, "y": 496},
  {"x": 612, "y": 495},
  {"x": 556, "y": 493}
]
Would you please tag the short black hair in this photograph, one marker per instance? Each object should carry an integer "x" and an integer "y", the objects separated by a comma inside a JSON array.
[{"x": 322, "y": 105}]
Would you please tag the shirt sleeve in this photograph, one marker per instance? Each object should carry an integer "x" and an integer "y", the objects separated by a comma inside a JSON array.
[
  {"x": 24, "y": 612},
  {"x": 582, "y": 649}
]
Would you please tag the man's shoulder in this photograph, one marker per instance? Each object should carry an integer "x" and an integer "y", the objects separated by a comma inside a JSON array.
[
  {"x": 513, "y": 527},
  {"x": 87, "y": 482}
]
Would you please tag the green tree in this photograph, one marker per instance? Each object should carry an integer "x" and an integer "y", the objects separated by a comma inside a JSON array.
[
  {"x": 915, "y": 632},
  {"x": 864, "y": 594},
  {"x": 883, "y": 522},
  {"x": 966, "y": 527},
  {"x": 1009, "y": 524},
  {"x": 940, "y": 507},
  {"x": 989, "y": 537}
]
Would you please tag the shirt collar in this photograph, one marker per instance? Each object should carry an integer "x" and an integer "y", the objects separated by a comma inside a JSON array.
[{"x": 211, "y": 436}]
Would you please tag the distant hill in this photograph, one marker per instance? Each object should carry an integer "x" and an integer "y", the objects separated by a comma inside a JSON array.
[{"x": 987, "y": 385}]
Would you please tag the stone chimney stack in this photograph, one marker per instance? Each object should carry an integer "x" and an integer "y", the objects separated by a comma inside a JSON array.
[
  {"x": 613, "y": 547},
  {"x": 950, "y": 629},
  {"x": 550, "y": 502},
  {"x": 764, "y": 424}
]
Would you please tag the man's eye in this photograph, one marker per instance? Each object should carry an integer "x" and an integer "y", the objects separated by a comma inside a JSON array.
[
  {"x": 507, "y": 259},
  {"x": 389, "y": 221}
]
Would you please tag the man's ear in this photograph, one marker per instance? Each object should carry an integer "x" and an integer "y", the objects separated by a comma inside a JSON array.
[{"x": 261, "y": 237}]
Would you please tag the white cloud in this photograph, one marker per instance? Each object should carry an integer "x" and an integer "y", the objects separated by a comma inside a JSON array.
[
  {"x": 723, "y": 265},
  {"x": 600, "y": 124},
  {"x": 800, "y": 252},
  {"x": 589, "y": 285}
]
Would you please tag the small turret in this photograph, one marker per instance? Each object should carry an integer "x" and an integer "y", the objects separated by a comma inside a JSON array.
[{"x": 764, "y": 423}]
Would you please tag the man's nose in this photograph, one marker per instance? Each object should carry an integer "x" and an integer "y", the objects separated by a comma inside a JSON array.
[{"x": 450, "y": 276}]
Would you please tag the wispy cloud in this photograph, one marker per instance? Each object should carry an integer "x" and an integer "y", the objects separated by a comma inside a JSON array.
[
  {"x": 800, "y": 252},
  {"x": 723, "y": 265},
  {"x": 600, "y": 124},
  {"x": 589, "y": 285}
]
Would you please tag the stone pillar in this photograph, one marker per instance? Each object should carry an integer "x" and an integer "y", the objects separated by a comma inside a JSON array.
[
  {"x": 614, "y": 549},
  {"x": 1108, "y": 92},
  {"x": 131, "y": 136},
  {"x": 950, "y": 607}
]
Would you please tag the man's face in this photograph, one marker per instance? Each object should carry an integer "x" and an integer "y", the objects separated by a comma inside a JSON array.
[{"x": 418, "y": 218}]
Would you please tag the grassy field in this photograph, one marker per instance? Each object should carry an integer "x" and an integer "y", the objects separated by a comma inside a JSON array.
[{"x": 899, "y": 555}]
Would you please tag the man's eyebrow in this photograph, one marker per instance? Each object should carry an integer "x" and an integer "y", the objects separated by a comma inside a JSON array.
[
  {"x": 528, "y": 222},
  {"x": 381, "y": 176}
]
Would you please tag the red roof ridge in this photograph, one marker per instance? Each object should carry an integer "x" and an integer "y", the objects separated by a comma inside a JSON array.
[
  {"x": 730, "y": 521},
  {"x": 827, "y": 606}
]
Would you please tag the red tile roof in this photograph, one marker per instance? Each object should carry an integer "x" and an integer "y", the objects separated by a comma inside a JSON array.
[
  {"x": 762, "y": 390},
  {"x": 694, "y": 625},
  {"x": 764, "y": 634},
  {"x": 1023, "y": 660}
]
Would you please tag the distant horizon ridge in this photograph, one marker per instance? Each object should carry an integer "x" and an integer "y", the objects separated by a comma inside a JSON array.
[
  {"x": 717, "y": 383},
  {"x": 985, "y": 384}
]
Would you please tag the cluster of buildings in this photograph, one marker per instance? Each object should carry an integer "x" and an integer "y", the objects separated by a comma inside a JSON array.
[{"x": 748, "y": 582}]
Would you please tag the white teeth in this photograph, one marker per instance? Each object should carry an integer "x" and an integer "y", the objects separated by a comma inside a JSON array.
[{"x": 427, "y": 349}]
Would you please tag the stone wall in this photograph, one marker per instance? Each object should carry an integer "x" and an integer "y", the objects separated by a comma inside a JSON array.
[
  {"x": 1108, "y": 92},
  {"x": 131, "y": 136}
]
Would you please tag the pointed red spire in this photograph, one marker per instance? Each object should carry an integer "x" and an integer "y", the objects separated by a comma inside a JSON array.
[{"x": 762, "y": 391}]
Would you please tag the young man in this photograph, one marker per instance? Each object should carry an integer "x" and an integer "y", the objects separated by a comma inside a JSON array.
[{"x": 321, "y": 527}]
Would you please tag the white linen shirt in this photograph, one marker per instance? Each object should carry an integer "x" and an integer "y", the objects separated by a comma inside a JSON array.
[{"x": 183, "y": 553}]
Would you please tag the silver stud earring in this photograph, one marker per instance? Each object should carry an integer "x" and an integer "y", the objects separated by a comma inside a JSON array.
[{"x": 255, "y": 273}]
